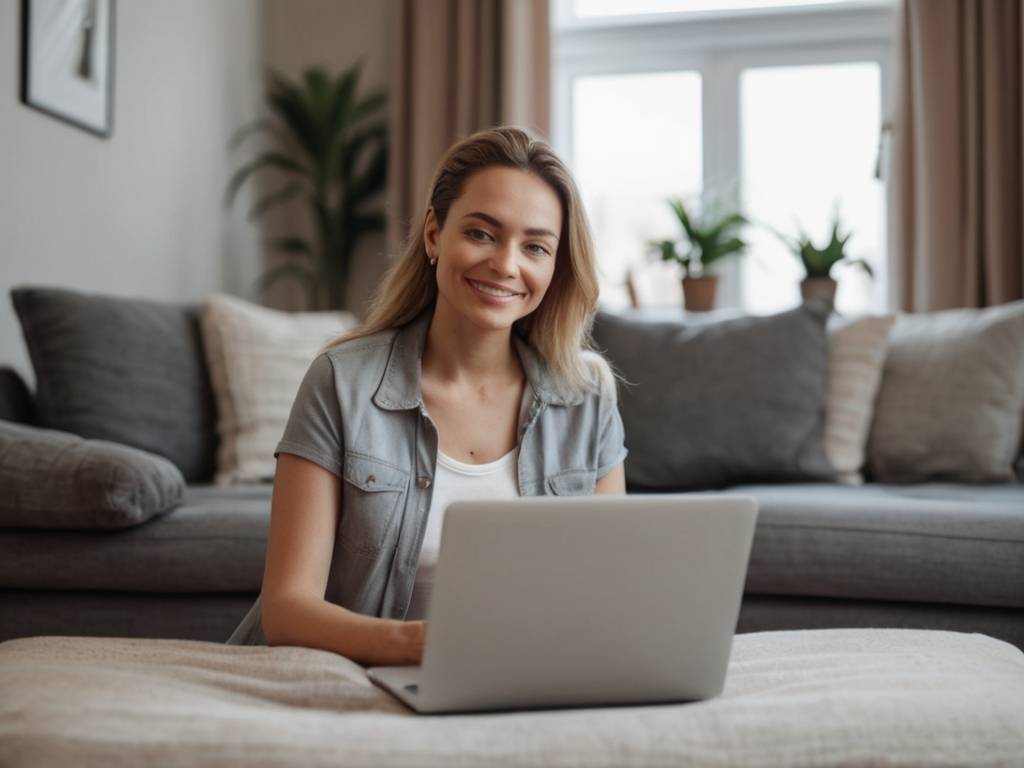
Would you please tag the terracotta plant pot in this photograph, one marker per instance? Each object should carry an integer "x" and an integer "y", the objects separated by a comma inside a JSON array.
[
  {"x": 823, "y": 288},
  {"x": 699, "y": 293}
]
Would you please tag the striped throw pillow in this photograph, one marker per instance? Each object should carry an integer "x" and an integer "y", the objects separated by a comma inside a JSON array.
[
  {"x": 257, "y": 357},
  {"x": 856, "y": 357}
]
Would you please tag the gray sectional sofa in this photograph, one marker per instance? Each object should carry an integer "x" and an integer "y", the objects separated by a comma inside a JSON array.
[{"x": 946, "y": 555}]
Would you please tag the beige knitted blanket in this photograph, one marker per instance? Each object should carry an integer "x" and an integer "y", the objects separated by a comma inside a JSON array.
[{"x": 822, "y": 698}]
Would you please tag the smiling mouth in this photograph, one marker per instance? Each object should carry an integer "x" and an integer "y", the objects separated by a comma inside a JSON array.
[{"x": 490, "y": 290}]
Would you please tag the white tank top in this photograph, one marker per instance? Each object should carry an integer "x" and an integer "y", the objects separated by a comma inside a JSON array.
[{"x": 457, "y": 481}]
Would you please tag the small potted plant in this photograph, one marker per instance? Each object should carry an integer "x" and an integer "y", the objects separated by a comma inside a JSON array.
[
  {"x": 710, "y": 236},
  {"x": 818, "y": 282}
]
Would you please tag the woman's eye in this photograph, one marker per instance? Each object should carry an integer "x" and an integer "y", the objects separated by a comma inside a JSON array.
[
  {"x": 538, "y": 249},
  {"x": 478, "y": 234}
]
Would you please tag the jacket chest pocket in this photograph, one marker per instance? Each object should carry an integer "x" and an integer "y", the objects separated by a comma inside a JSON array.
[
  {"x": 572, "y": 482},
  {"x": 374, "y": 493}
]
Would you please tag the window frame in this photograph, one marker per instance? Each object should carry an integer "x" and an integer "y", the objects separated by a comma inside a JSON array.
[{"x": 718, "y": 46}]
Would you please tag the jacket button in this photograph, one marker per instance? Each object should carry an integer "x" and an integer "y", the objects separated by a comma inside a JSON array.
[
  {"x": 371, "y": 480},
  {"x": 422, "y": 482}
]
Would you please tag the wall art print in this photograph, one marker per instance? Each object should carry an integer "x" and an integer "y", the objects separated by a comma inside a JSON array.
[{"x": 67, "y": 61}]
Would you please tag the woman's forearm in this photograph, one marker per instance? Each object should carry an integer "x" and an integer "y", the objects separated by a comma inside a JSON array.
[{"x": 364, "y": 639}]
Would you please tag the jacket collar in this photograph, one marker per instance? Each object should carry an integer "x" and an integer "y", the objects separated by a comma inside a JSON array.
[{"x": 400, "y": 389}]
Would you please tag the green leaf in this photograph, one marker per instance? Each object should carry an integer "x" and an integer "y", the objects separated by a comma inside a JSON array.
[
  {"x": 290, "y": 107},
  {"x": 684, "y": 219},
  {"x": 282, "y": 195},
  {"x": 250, "y": 129},
  {"x": 266, "y": 160},
  {"x": 721, "y": 250},
  {"x": 291, "y": 245},
  {"x": 863, "y": 265},
  {"x": 343, "y": 94},
  {"x": 376, "y": 101},
  {"x": 731, "y": 221},
  {"x": 367, "y": 223},
  {"x": 372, "y": 180},
  {"x": 664, "y": 249},
  {"x": 360, "y": 140}
]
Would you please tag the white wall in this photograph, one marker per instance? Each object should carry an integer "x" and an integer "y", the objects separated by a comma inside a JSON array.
[{"x": 140, "y": 213}]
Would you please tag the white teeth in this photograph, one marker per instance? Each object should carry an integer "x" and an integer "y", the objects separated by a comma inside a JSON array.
[{"x": 490, "y": 290}]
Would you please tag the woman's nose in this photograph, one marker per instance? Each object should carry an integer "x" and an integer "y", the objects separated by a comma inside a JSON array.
[{"x": 504, "y": 259}]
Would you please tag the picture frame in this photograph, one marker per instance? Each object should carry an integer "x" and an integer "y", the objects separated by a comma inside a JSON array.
[{"x": 67, "y": 61}]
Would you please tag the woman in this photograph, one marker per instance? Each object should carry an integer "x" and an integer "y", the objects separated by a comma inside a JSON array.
[{"x": 472, "y": 378}]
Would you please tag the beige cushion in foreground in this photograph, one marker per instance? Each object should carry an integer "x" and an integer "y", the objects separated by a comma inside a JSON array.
[
  {"x": 825, "y": 697},
  {"x": 257, "y": 357},
  {"x": 856, "y": 354}
]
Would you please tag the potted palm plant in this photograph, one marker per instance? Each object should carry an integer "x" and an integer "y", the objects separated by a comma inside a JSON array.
[
  {"x": 818, "y": 282},
  {"x": 710, "y": 235},
  {"x": 330, "y": 151}
]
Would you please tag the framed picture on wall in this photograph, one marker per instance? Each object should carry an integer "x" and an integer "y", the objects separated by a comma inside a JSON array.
[{"x": 67, "y": 61}]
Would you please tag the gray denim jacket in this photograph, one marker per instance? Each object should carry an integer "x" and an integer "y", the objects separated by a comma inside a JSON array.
[{"x": 359, "y": 414}]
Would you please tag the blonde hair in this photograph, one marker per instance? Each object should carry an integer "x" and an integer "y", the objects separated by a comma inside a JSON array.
[{"x": 559, "y": 329}]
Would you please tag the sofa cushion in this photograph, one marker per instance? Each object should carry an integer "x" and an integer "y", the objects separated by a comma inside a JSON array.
[
  {"x": 126, "y": 370},
  {"x": 930, "y": 543},
  {"x": 257, "y": 357},
  {"x": 951, "y": 401},
  {"x": 214, "y": 542},
  {"x": 53, "y": 479},
  {"x": 706, "y": 405},
  {"x": 191, "y": 616}
]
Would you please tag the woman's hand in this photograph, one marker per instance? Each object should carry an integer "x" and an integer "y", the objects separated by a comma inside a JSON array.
[{"x": 402, "y": 643}]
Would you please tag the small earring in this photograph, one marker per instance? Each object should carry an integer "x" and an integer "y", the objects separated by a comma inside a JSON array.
[{"x": 433, "y": 261}]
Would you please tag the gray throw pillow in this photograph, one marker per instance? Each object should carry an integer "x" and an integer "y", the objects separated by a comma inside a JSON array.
[
  {"x": 952, "y": 397},
  {"x": 54, "y": 479},
  {"x": 130, "y": 371},
  {"x": 713, "y": 404}
]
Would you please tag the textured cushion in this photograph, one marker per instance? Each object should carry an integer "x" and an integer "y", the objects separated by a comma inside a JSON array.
[
  {"x": 54, "y": 479},
  {"x": 15, "y": 399},
  {"x": 856, "y": 354},
  {"x": 836, "y": 698},
  {"x": 126, "y": 370},
  {"x": 706, "y": 405},
  {"x": 214, "y": 542},
  {"x": 956, "y": 544},
  {"x": 257, "y": 358},
  {"x": 952, "y": 397}
]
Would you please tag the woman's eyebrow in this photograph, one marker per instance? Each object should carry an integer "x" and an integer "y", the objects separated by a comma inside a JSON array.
[{"x": 495, "y": 223}]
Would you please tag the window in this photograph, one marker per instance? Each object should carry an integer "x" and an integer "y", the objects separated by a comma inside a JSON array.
[
  {"x": 774, "y": 104},
  {"x": 624, "y": 191}
]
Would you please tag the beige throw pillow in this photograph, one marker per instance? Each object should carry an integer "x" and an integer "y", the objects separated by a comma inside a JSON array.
[
  {"x": 952, "y": 397},
  {"x": 855, "y": 358},
  {"x": 257, "y": 357}
]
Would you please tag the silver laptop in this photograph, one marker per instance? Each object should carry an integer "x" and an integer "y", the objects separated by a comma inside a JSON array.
[{"x": 586, "y": 601}]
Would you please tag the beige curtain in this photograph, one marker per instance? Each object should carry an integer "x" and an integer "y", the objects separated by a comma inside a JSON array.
[
  {"x": 458, "y": 66},
  {"x": 956, "y": 205}
]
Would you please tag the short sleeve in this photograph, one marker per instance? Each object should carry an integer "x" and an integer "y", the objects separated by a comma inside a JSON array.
[
  {"x": 611, "y": 448},
  {"x": 314, "y": 429}
]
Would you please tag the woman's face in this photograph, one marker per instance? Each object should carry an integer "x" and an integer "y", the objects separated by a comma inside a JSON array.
[{"x": 496, "y": 251}]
